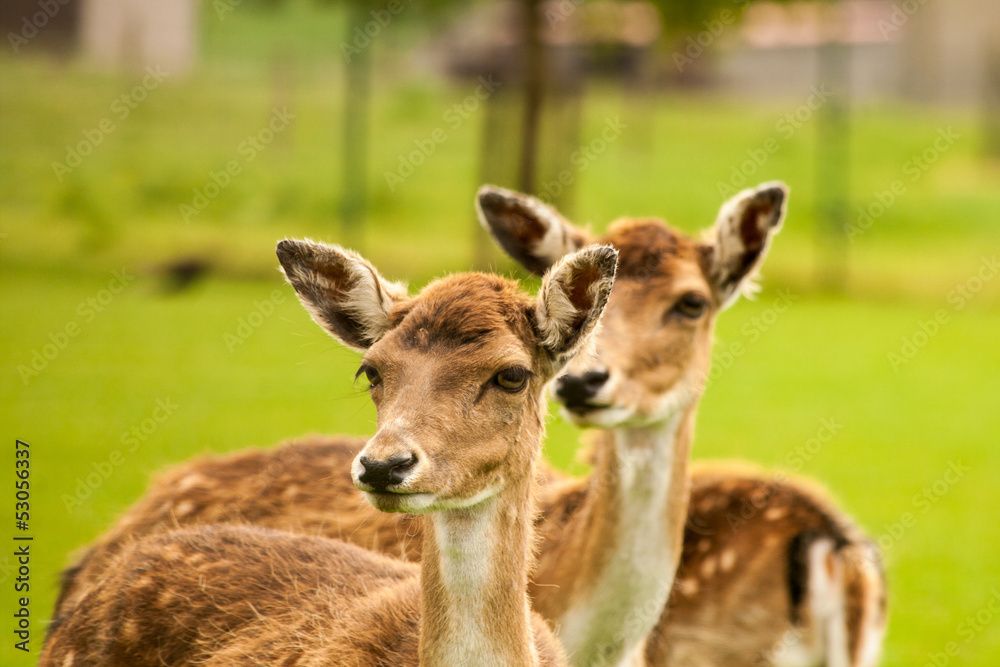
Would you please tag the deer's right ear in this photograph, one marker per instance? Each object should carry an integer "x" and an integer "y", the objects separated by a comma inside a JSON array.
[
  {"x": 572, "y": 299},
  {"x": 531, "y": 232},
  {"x": 343, "y": 293}
]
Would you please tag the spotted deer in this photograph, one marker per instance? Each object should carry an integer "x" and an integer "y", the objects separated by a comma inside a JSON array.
[
  {"x": 754, "y": 594},
  {"x": 457, "y": 375},
  {"x": 796, "y": 583}
]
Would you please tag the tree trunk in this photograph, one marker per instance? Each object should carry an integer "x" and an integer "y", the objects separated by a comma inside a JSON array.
[
  {"x": 354, "y": 160},
  {"x": 833, "y": 159},
  {"x": 534, "y": 93}
]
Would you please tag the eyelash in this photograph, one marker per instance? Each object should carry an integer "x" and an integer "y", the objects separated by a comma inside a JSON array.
[{"x": 372, "y": 375}]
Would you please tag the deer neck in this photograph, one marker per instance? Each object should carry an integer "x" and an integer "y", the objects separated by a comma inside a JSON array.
[
  {"x": 474, "y": 581},
  {"x": 630, "y": 531}
]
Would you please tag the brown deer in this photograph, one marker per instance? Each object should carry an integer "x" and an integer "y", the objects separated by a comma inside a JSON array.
[
  {"x": 457, "y": 375},
  {"x": 794, "y": 584},
  {"x": 745, "y": 596}
]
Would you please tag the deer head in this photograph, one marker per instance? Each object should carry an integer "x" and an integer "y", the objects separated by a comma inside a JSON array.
[
  {"x": 654, "y": 348},
  {"x": 456, "y": 373}
]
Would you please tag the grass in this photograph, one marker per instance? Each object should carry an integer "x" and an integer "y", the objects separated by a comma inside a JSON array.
[{"x": 899, "y": 430}]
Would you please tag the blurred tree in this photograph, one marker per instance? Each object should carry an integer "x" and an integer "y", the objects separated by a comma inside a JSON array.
[
  {"x": 991, "y": 106},
  {"x": 681, "y": 18},
  {"x": 366, "y": 20}
]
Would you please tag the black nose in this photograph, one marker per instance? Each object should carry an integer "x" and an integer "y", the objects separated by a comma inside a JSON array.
[
  {"x": 380, "y": 474},
  {"x": 576, "y": 391}
]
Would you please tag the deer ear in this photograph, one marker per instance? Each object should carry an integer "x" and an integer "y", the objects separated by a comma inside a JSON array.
[
  {"x": 533, "y": 233},
  {"x": 739, "y": 240},
  {"x": 573, "y": 296},
  {"x": 343, "y": 293}
]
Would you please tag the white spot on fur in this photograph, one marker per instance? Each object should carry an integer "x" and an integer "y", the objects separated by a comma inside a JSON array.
[
  {"x": 775, "y": 513},
  {"x": 792, "y": 651},
  {"x": 69, "y": 659},
  {"x": 191, "y": 481},
  {"x": 183, "y": 508},
  {"x": 707, "y": 568},
  {"x": 727, "y": 560},
  {"x": 688, "y": 587}
]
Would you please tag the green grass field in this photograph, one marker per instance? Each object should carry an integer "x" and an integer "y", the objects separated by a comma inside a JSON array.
[{"x": 901, "y": 422}]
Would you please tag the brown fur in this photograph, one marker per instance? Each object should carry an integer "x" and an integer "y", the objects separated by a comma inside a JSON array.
[
  {"x": 732, "y": 599},
  {"x": 733, "y": 616},
  {"x": 245, "y": 595}
]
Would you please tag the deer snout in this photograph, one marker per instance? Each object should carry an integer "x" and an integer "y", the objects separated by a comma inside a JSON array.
[
  {"x": 577, "y": 392},
  {"x": 380, "y": 474}
]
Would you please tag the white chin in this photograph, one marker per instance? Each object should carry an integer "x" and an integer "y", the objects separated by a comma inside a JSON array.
[
  {"x": 408, "y": 503},
  {"x": 610, "y": 417}
]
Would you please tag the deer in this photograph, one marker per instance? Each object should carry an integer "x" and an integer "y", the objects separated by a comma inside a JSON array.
[
  {"x": 797, "y": 583},
  {"x": 793, "y": 584},
  {"x": 457, "y": 375}
]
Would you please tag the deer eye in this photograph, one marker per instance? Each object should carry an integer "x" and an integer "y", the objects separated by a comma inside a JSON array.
[
  {"x": 690, "y": 306},
  {"x": 512, "y": 380},
  {"x": 374, "y": 379}
]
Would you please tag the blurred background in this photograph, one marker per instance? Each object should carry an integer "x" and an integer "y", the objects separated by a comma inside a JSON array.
[{"x": 151, "y": 153}]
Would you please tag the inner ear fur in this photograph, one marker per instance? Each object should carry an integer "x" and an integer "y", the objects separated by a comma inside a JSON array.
[
  {"x": 533, "y": 233},
  {"x": 341, "y": 290},
  {"x": 739, "y": 240},
  {"x": 572, "y": 299}
]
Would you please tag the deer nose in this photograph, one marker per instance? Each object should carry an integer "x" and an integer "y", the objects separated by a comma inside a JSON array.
[
  {"x": 576, "y": 391},
  {"x": 380, "y": 474}
]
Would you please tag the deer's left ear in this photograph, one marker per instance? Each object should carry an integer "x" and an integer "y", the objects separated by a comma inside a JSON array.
[
  {"x": 533, "y": 233},
  {"x": 737, "y": 243}
]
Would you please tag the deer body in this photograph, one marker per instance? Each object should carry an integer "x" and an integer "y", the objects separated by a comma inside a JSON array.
[{"x": 457, "y": 375}]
